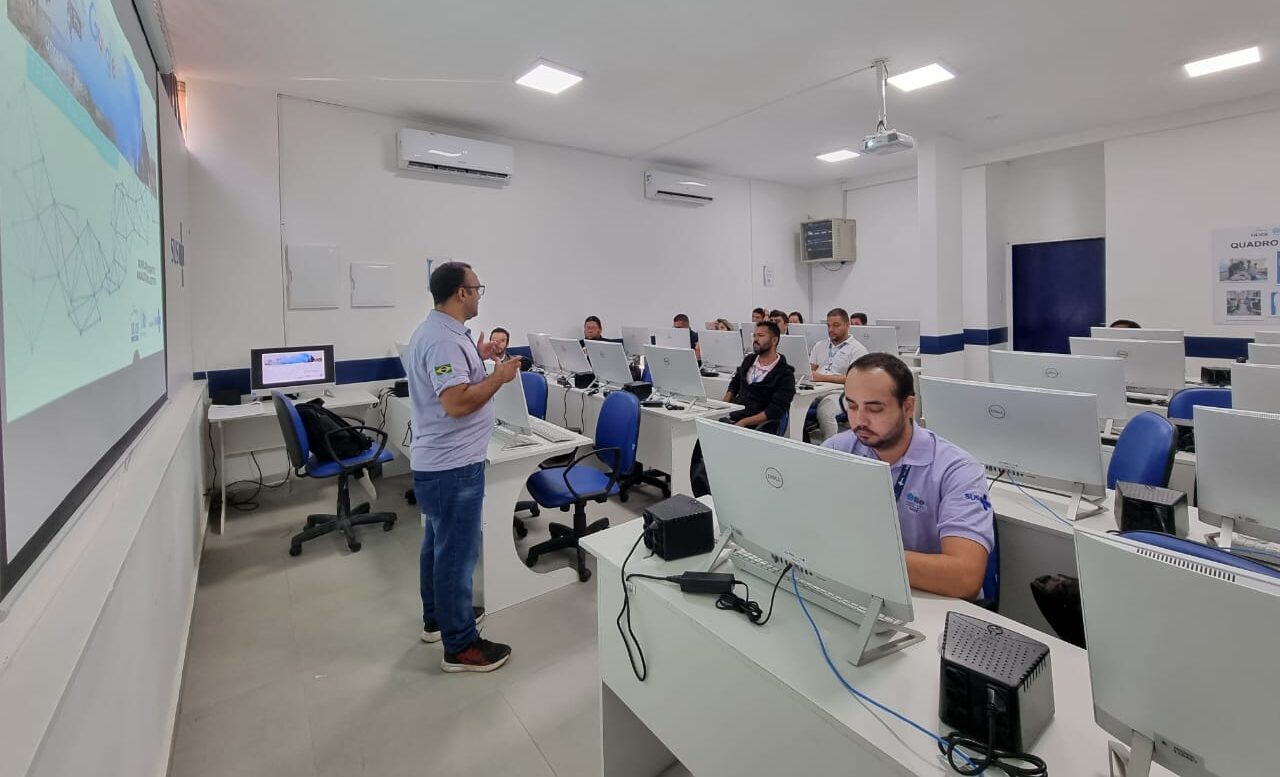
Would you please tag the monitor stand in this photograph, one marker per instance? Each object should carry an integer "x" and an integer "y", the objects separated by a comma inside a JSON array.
[
  {"x": 1073, "y": 507},
  {"x": 1132, "y": 761}
]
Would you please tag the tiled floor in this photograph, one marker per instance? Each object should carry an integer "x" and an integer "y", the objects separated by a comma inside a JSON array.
[{"x": 312, "y": 666}]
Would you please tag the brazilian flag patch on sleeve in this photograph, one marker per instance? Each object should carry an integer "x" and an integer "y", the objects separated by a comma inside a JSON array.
[{"x": 444, "y": 369}]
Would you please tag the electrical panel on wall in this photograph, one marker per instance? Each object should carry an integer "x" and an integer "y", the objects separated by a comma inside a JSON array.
[{"x": 829, "y": 240}]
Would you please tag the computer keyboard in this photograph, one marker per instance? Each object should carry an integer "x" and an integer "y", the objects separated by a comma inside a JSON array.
[{"x": 549, "y": 431}]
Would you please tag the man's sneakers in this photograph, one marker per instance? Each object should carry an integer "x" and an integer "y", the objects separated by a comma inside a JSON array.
[
  {"x": 480, "y": 656},
  {"x": 431, "y": 629}
]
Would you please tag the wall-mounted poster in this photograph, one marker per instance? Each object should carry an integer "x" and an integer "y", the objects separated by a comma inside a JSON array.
[{"x": 1246, "y": 275}]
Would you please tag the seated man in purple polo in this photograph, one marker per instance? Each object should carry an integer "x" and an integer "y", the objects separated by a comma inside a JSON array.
[{"x": 941, "y": 491}]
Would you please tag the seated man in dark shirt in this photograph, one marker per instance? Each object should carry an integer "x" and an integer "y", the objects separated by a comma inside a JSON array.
[{"x": 764, "y": 383}]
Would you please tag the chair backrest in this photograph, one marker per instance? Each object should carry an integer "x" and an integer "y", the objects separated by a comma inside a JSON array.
[
  {"x": 1183, "y": 403},
  {"x": 295, "y": 434},
  {"x": 990, "y": 596},
  {"x": 1144, "y": 453},
  {"x": 535, "y": 393},
  {"x": 1198, "y": 550},
  {"x": 619, "y": 427},
  {"x": 647, "y": 375}
]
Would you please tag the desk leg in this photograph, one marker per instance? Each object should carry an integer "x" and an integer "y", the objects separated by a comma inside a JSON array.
[
  {"x": 222, "y": 474},
  {"x": 628, "y": 747},
  {"x": 506, "y": 578},
  {"x": 799, "y": 414}
]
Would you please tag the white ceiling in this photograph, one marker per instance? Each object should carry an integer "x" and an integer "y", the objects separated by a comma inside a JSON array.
[{"x": 683, "y": 83}]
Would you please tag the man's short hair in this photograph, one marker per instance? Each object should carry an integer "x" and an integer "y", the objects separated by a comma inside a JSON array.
[
  {"x": 839, "y": 313},
  {"x": 777, "y": 314},
  {"x": 903, "y": 384},
  {"x": 761, "y": 311},
  {"x": 1124, "y": 323},
  {"x": 772, "y": 327},
  {"x": 861, "y": 317},
  {"x": 447, "y": 279},
  {"x": 592, "y": 320},
  {"x": 498, "y": 329},
  {"x": 681, "y": 318}
]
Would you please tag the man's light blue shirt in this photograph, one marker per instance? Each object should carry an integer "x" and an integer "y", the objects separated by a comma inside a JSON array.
[{"x": 441, "y": 355}]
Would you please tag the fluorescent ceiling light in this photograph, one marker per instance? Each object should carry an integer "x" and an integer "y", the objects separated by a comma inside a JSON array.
[
  {"x": 549, "y": 78},
  {"x": 1203, "y": 67},
  {"x": 838, "y": 156},
  {"x": 921, "y": 77}
]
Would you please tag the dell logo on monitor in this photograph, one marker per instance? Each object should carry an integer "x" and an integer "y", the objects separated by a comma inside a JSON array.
[
  {"x": 666, "y": 360},
  {"x": 1122, "y": 354},
  {"x": 996, "y": 411},
  {"x": 1051, "y": 372},
  {"x": 773, "y": 477}
]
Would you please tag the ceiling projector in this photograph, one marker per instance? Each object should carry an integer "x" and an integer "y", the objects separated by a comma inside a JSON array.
[{"x": 887, "y": 142}]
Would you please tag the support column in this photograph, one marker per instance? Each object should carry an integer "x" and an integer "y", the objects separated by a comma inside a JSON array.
[
  {"x": 941, "y": 267},
  {"x": 985, "y": 257}
]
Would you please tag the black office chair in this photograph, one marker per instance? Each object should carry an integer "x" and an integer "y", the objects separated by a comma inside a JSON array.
[{"x": 305, "y": 464}]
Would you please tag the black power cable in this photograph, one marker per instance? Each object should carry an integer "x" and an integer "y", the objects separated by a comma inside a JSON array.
[
  {"x": 744, "y": 605},
  {"x": 983, "y": 756}
]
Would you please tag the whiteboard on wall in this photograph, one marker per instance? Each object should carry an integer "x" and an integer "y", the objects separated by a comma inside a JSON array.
[
  {"x": 315, "y": 279},
  {"x": 1245, "y": 263}
]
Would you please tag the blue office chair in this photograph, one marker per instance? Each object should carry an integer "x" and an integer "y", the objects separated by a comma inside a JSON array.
[
  {"x": 989, "y": 598},
  {"x": 1144, "y": 452},
  {"x": 305, "y": 464},
  {"x": 1199, "y": 550},
  {"x": 535, "y": 399},
  {"x": 617, "y": 432},
  {"x": 1182, "y": 411}
]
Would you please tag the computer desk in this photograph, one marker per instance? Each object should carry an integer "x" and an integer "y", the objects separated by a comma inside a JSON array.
[
  {"x": 727, "y": 698},
  {"x": 502, "y": 579},
  {"x": 666, "y": 439},
  {"x": 800, "y": 404},
  {"x": 252, "y": 427}
]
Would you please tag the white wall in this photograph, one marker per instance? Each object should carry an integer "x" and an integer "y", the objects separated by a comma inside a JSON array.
[
  {"x": 1059, "y": 195},
  {"x": 1166, "y": 193},
  {"x": 572, "y": 235},
  {"x": 883, "y": 281},
  {"x": 178, "y": 285}
]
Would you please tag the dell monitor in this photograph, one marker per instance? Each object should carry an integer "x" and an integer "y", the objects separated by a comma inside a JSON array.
[
  {"x": 634, "y": 339},
  {"x": 292, "y": 368},
  {"x": 748, "y": 332},
  {"x": 609, "y": 362},
  {"x": 1128, "y": 333},
  {"x": 1102, "y": 376},
  {"x": 1255, "y": 387},
  {"x": 792, "y": 347},
  {"x": 1261, "y": 353},
  {"x": 877, "y": 339},
  {"x": 721, "y": 350},
  {"x": 570, "y": 355},
  {"x": 511, "y": 411},
  {"x": 1236, "y": 483},
  {"x": 1153, "y": 366},
  {"x": 1035, "y": 437},
  {"x": 670, "y": 337},
  {"x": 1181, "y": 657},
  {"x": 675, "y": 372},
  {"x": 908, "y": 332},
  {"x": 775, "y": 503},
  {"x": 544, "y": 356},
  {"x": 812, "y": 333},
  {"x": 1267, "y": 338}
]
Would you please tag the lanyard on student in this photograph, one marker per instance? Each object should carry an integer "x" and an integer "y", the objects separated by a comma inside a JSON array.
[{"x": 901, "y": 482}]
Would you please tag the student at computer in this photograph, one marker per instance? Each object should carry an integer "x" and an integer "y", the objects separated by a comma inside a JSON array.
[
  {"x": 780, "y": 320},
  {"x": 859, "y": 319},
  {"x": 1124, "y": 323},
  {"x": 794, "y": 317},
  {"x": 764, "y": 384},
  {"x": 722, "y": 325},
  {"x": 829, "y": 362},
  {"x": 681, "y": 321},
  {"x": 941, "y": 491},
  {"x": 592, "y": 329},
  {"x": 500, "y": 338},
  {"x": 758, "y": 315}
]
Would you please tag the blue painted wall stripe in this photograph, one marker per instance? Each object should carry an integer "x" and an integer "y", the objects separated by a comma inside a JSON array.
[
  {"x": 1218, "y": 347},
  {"x": 936, "y": 345},
  {"x": 995, "y": 336}
]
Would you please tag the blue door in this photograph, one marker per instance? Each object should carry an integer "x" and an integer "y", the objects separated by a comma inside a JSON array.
[{"x": 1059, "y": 291}]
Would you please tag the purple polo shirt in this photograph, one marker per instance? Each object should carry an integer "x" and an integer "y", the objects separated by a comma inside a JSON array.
[{"x": 945, "y": 494}]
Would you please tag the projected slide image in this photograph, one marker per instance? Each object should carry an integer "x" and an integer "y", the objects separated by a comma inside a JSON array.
[
  {"x": 79, "y": 213},
  {"x": 288, "y": 369}
]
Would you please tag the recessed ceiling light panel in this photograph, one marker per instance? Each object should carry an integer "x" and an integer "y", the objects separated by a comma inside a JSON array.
[
  {"x": 921, "y": 77},
  {"x": 838, "y": 156},
  {"x": 1203, "y": 67},
  {"x": 549, "y": 77}
]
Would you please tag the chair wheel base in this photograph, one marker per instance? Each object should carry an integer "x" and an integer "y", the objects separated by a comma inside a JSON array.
[
  {"x": 295, "y": 550},
  {"x": 584, "y": 575},
  {"x": 521, "y": 530},
  {"x": 388, "y": 526},
  {"x": 354, "y": 547}
]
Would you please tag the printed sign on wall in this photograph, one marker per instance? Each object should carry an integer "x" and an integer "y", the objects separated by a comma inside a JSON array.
[{"x": 1246, "y": 275}]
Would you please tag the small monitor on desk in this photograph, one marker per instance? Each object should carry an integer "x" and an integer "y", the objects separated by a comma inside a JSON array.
[
  {"x": 544, "y": 355},
  {"x": 675, "y": 372},
  {"x": 877, "y": 339},
  {"x": 775, "y": 502},
  {"x": 1181, "y": 657},
  {"x": 288, "y": 369},
  {"x": 1267, "y": 338},
  {"x": 1156, "y": 366},
  {"x": 608, "y": 362},
  {"x": 634, "y": 339},
  {"x": 793, "y": 348},
  {"x": 670, "y": 337},
  {"x": 1035, "y": 437},
  {"x": 1102, "y": 376},
  {"x": 908, "y": 332},
  {"x": 748, "y": 332},
  {"x": 1237, "y": 486},
  {"x": 510, "y": 408},
  {"x": 721, "y": 350},
  {"x": 1128, "y": 333},
  {"x": 1261, "y": 353},
  {"x": 812, "y": 333},
  {"x": 1255, "y": 387},
  {"x": 570, "y": 355}
]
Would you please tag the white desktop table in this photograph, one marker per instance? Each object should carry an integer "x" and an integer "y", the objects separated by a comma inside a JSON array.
[
  {"x": 727, "y": 698},
  {"x": 716, "y": 388},
  {"x": 667, "y": 437},
  {"x": 502, "y": 578},
  {"x": 253, "y": 428}
]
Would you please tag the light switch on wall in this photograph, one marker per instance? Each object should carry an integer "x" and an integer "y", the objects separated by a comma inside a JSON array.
[{"x": 768, "y": 275}]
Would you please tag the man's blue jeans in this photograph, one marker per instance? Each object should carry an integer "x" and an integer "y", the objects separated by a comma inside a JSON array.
[{"x": 452, "y": 500}]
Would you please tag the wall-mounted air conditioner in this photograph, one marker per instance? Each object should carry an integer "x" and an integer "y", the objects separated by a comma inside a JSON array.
[
  {"x": 432, "y": 152},
  {"x": 677, "y": 187}
]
